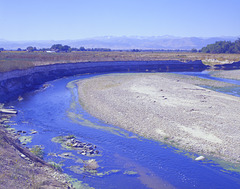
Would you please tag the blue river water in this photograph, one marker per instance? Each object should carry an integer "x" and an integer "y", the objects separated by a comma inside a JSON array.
[{"x": 126, "y": 160}]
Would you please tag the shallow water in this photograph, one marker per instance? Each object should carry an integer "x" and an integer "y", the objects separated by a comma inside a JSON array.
[
  {"x": 126, "y": 160},
  {"x": 235, "y": 90}
]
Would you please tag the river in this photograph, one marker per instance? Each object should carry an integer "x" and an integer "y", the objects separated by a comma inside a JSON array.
[{"x": 125, "y": 159}]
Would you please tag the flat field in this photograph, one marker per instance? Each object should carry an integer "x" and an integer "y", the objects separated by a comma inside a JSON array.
[{"x": 12, "y": 60}]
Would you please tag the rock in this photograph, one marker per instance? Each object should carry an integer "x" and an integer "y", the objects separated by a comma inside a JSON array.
[
  {"x": 91, "y": 148},
  {"x": 91, "y": 164},
  {"x": 20, "y": 98},
  {"x": 8, "y": 111},
  {"x": 23, "y": 156},
  {"x": 65, "y": 154},
  {"x": 20, "y": 131},
  {"x": 68, "y": 143},
  {"x": 75, "y": 145},
  {"x": 200, "y": 158},
  {"x": 33, "y": 132}
]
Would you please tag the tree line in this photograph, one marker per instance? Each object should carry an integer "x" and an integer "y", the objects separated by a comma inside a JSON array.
[
  {"x": 59, "y": 48},
  {"x": 217, "y": 47},
  {"x": 222, "y": 47}
]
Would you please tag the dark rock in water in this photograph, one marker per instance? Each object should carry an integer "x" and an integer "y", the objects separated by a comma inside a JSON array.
[
  {"x": 91, "y": 148},
  {"x": 73, "y": 143},
  {"x": 20, "y": 131},
  {"x": 34, "y": 132}
]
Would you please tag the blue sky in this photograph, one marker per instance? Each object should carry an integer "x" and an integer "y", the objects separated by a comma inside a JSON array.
[{"x": 79, "y": 19}]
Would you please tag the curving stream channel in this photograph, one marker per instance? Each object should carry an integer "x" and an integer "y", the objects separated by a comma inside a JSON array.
[{"x": 125, "y": 160}]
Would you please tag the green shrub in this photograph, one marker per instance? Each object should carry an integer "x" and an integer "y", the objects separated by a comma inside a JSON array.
[{"x": 38, "y": 151}]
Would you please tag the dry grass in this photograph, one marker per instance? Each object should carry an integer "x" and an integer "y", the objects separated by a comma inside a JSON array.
[
  {"x": 11, "y": 60},
  {"x": 18, "y": 171}
]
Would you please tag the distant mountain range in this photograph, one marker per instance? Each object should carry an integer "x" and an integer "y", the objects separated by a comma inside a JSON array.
[{"x": 124, "y": 43}]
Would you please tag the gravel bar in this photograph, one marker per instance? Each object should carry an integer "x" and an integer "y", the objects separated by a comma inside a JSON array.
[{"x": 163, "y": 107}]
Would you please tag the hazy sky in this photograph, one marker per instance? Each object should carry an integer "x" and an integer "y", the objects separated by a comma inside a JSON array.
[{"x": 78, "y": 19}]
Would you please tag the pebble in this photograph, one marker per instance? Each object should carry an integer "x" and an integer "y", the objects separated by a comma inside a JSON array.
[
  {"x": 33, "y": 132},
  {"x": 22, "y": 155},
  {"x": 200, "y": 158},
  {"x": 65, "y": 154}
]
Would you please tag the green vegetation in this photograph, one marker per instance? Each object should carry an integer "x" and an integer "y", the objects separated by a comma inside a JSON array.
[
  {"x": 70, "y": 137},
  {"x": 56, "y": 166},
  {"x": 25, "y": 139},
  {"x": 38, "y": 151},
  {"x": 223, "y": 47},
  {"x": 131, "y": 173},
  {"x": 60, "y": 48}
]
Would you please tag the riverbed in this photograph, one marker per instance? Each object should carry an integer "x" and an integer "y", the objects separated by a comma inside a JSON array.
[{"x": 125, "y": 159}]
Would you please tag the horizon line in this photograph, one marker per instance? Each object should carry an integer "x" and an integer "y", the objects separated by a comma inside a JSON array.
[{"x": 122, "y": 36}]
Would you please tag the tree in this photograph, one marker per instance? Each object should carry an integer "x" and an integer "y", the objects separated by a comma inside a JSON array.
[
  {"x": 135, "y": 50},
  {"x": 30, "y": 49},
  {"x": 56, "y": 47},
  {"x": 60, "y": 48},
  {"x": 66, "y": 48},
  {"x": 82, "y": 49},
  {"x": 237, "y": 46},
  {"x": 194, "y": 50},
  {"x": 222, "y": 47}
]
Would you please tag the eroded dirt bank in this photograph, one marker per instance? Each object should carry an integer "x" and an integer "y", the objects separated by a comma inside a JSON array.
[
  {"x": 168, "y": 108},
  {"x": 22, "y": 169}
]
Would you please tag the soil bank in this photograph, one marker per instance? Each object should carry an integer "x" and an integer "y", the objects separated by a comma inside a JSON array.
[{"x": 22, "y": 169}]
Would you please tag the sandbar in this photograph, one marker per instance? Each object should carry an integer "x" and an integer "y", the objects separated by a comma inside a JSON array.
[{"x": 167, "y": 107}]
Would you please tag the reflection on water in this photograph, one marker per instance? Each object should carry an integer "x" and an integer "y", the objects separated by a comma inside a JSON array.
[
  {"x": 146, "y": 176},
  {"x": 125, "y": 159}
]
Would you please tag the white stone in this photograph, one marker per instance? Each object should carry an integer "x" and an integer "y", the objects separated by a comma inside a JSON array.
[{"x": 200, "y": 158}]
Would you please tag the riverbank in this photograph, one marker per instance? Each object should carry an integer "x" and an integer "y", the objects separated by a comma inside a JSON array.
[
  {"x": 168, "y": 108},
  {"x": 228, "y": 74},
  {"x": 22, "y": 169},
  {"x": 15, "y": 60}
]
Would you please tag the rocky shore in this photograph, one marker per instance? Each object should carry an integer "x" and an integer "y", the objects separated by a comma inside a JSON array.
[
  {"x": 22, "y": 169},
  {"x": 170, "y": 108}
]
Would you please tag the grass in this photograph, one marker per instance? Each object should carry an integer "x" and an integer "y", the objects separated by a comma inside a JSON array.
[
  {"x": 17, "y": 172},
  {"x": 70, "y": 137},
  {"x": 11, "y": 60},
  {"x": 38, "y": 151},
  {"x": 56, "y": 166}
]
